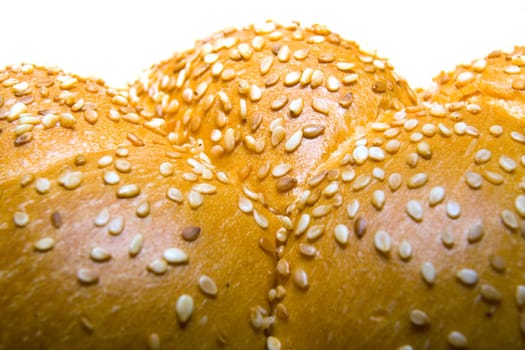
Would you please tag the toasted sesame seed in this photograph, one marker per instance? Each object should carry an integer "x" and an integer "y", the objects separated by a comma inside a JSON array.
[
  {"x": 467, "y": 276},
  {"x": 21, "y": 219},
  {"x": 490, "y": 294},
  {"x": 87, "y": 276},
  {"x": 382, "y": 241},
  {"x": 44, "y": 244},
  {"x": 507, "y": 164},
  {"x": 405, "y": 250},
  {"x": 260, "y": 219},
  {"x": 314, "y": 232},
  {"x": 436, "y": 195},
  {"x": 184, "y": 308},
  {"x": 414, "y": 209},
  {"x": 475, "y": 232},
  {"x": 520, "y": 295},
  {"x": 153, "y": 342},
  {"x": 300, "y": 278},
  {"x": 417, "y": 180},
  {"x": 428, "y": 272},
  {"x": 453, "y": 209},
  {"x": 509, "y": 219},
  {"x": 286, "y": 183},
  {"x": 457, "y": 339},
  {"x": 99, "y": 254},
  {"x": 497, "y": 263},
  {"x": 116, "y": 226},
  {"x": 190, "y": 233},
  {"x": 419, "y": 318},
  {"x": 360, "y": 226}
]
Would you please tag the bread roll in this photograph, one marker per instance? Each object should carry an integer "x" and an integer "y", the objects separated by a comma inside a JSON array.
[{"x": 274, "y": 187}]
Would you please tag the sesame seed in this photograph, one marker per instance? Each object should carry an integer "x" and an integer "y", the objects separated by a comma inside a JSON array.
[
  {"x": 158, "y": 266},
  {"x": 447, "y": 238},
  {"x": 352, "y": 208},
  {"x": 392, "y": 146},
  {"x": 21, "y": 219},
  {"x": 496, "y": 130},
  {"x": 175, "y": 195},
  {"x": 296, "y": 107},
  {"x": 475, "y": 232},
  {"x": 418, "y": 180},
  {"x": 497, "y": 263},
  {"x": 394, "y": 181},
  {"x": 302, "y": 224},
  {"x": 520, "y": 295},
  {"x": 245, "y": 205},
  {"x": 87, "y": 276},
  {"x": 424, "y": 150},
  {"x": 260, "y": 219},
  {"x": 405, "y": 250},
  {"x": 207, "y": 285},
  {"x": 71, "y": 179},
  {"x": 361, "y": 182},
  {"x": 507, "y": 164},
  {"x": 102, "y": 218},
  {"x": 410, "y": 124},
  {"x": 467, "y": 276},
  {"x": 56, "y": 219},
  {"x": 382, "y": 241},
  {"x": 184, "y": 308},
  {"x": 341, "y": 234},
  {"x": 414, "y": 209},
  {"x": 405, "y": 347},
  {"x": 67, "y": 120},
  {"x": 436, "y": 195},
  {"x": 301, "y": 54},
  {"x": 378, "y": 199},
  {"x": 518, "y": 137},
  {"x": 294, "y": 141},
  {"x": 15, "y": 111},
  {"x": 332, "y": 84},
  {"x": 518, "y": 84},
  {"x": 105, "y": 161},
  {"x": 111, "y": 177},
  {"x": 321, "y": 210},
  {"x": 453, "y": 209},
  {"x": 272, "y": 343},
  {"x": 116, "y": 226},
  {"x": 482, "y": 156},
  {"x": 345, "y": 66},
  {"x": 292, "y": 78},
  {"x": 490, "y": 294},
  {"x": 49, "y": 120},
  {"x": 509, "y": 219},
  {"x": 376, "y": 153},
  {"x": 135, "y": 246},
  {"x": 205, "y": 188},
  {"x": 519, "y": 203},
  {"x": 99, "y": 254},
  {"x": 44, "y": 244},
  {"x": 314, "y": 232},
  {"x": 190, "y": 233},
  {"x": 300, "y": 278},
  {"x": 281, "y": 170},
  {"x": 493, "y": 177},
  {"x": 320, "y": 105},
  {"x": 128, "y": 191},
  {"x": 285, "y": 184},
  {"x": 307, "y": 250},
  {"x": 360, "y": 226},
  {"x": 428, "y": 272},
  {"x": 42, "y": 185},
  {"x": 153, "y": 342},
  {"x": 457, "y": 339},
  {"x": 360, "y": 154},
  {"x": 348, "y": 174},
  {"x": 429, "y": 130},
  {"x": 419, "y": 318},
  {"x": 512, "y": 69}
]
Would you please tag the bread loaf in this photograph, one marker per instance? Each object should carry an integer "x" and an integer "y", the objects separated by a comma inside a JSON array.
[{"x": 274, "y": 187}]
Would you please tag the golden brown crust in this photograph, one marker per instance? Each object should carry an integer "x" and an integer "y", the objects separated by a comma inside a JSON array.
[{"x": 376, "y": 221}]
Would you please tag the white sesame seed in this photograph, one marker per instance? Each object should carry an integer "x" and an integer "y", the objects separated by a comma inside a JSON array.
[
  {"x": 166, "y": 169},
  {"x": 348, "y": 174},
  {"x": 272, "y": 343},
  {"x": 207, "y": 285},
  {"x": 87, "y": 276},
  {"x": 467, "y": 276},
  {"x": 42, "y": 185},
  {"x": 44, "y": 244},
  {"x": 512, "y": 69},
  {"x": 128, "y": 191},
  {"x": 50, "y": 120},
  {"x": 135, "y": 246},
  {"x": 300, "y": 278},
  {"x": 490, "y": 294},
  {"x": 15, "y": 111},
  {"x": 292, "y": 78},
  {"x": 519, "y": 203},
  {"x": 457, "y": 339},
  {"x": 245, "y": 205},
  {"x": 436, "y": 195},
  {"x": 321, "y": 210},
  {"x": 520, "y": 295},
  {"x": 205, "y": 188},
  {"x": 394, "y": 181},
  {"x": 302, "y": 224},
  {"x": 417, "y": 180},
  {"x": 332, "y": 84},
  {"x": 509, "y": 219},
  {"x": 447, "y": 238},
  {"x": 405, "y": 347},
  {"x": 475, "y": 232},
  {"x": 464, "y": 78},
  {"x": 482, "y": 156},
  {"x": 405, "y": 250},
  {"x": 496, "y": 130},
  {"x": 184, "y": 308},
  {"x": 419, "y": 318},
  {"x": 99, "y": 254},
  {"x": 341, "y": 234},
  {"x": 284, "y": 53},
  {"x": 158, "y": 266},
  {"x": 21, "y": 219},
  {"x": 314, "y": 232},
  {"x": 175, "y": 256},
  {"x": 102, "y": 218},
  {"x": 281, "y": 169},
  {"x": 382, "y": 241},
  {"x": 414, "y": 209},
  {"x": 493, "y": 177},
  {"x": 360, "y": 154},
  {"x": 320, "y": 105},
  {"x": 507, "y": 164},
  {"x": 410, "y": 124},
  {"x": 429, "y": 130},
  {"x": 361, "y": 182},
  {"x": 175, "y": 195},
  {"x": 428, "y": 272},
  {"x": 294, "y": 141},
  {"x": 260, "y": 219},
  {"x": 352, "y": 208},
  {"x": 116, "y": 226},
  {"x": 378, "y": 199},
  {"x": 376, "y": 153},
  {"x": 453, "y": 209},
  {"x": 111, "y": 177}
]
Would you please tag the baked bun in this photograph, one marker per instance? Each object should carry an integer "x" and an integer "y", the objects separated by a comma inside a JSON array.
[
  {"x": 274, "y": 187},
  {"x": 270, "y": 102}
]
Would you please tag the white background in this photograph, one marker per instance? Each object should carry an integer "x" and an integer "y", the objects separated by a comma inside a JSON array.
[{"x": 116, "y": 40}]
